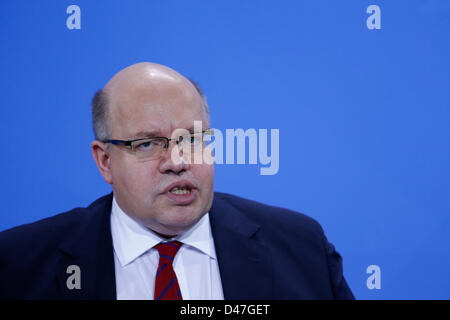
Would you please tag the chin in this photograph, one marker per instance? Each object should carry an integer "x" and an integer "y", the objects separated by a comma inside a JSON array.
[
  {"x": 183, "y": 216},
  {"x": 172, "y": 228}
]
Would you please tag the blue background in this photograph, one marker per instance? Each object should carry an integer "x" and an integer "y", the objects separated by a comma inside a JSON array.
[{"x": 363, "y": 114}]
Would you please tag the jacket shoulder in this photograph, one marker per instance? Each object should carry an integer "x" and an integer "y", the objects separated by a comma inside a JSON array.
[
  {"x": 299, "y": 243},
  {"x": 277, "y": 219},
  {"x": 43, "y": 234},
  {"x": 39, "y": 230},
  {"x": 31, "y": 254}
]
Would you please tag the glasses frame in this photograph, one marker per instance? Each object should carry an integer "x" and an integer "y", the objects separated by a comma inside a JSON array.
[{"x": 128, "y": 143}]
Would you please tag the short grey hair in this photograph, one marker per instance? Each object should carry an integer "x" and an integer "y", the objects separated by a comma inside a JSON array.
[
  {"x": 99, "y": 109},
  {"x": 202, "y": 95},
  {"x": 99, "y": 115}
]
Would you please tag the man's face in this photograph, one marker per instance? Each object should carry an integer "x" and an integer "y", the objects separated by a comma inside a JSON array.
[{"x": 141, "y": 187}]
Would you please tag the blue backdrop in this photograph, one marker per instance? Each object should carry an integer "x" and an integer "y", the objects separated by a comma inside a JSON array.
[{"x": 363, "y": 114}]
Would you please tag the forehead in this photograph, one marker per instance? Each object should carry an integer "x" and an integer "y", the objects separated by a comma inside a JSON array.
[{"x": 155, "y": 107}]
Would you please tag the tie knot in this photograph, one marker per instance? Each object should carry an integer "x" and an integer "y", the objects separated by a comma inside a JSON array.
[{"x": 168, "y": 250}]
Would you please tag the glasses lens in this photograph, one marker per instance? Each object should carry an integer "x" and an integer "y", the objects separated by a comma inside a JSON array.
[{"x": 148, "y": 149}]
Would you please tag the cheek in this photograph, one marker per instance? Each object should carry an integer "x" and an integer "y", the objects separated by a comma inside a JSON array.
[
  {"x": 204, "y": 174},
  {"x": 135, "y": 177}
]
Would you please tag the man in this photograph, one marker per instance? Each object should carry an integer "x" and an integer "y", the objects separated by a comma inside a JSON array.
[{"x": 163, "y": 233}]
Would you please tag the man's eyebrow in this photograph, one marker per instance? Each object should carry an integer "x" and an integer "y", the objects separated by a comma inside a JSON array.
[
  {"x": 147, "y": 134},
  {"x": 191, "y": 130},
  {"x": 156, "y": 133}
]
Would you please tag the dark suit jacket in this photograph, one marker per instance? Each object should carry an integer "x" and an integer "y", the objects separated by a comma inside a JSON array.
[{"x": 264, "y": 252}]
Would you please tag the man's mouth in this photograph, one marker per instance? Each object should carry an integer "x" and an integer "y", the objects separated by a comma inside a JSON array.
[
  {"x": 180, "y": 187},
  {"x": 180, "y": 190}
]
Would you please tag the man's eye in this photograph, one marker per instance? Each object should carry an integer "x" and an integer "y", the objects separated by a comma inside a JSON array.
[
  {"x": 147, "y": 145},
  {"x": 195, "y": 139}
]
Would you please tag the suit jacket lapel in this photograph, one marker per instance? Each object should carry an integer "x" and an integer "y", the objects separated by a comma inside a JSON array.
[
  {"x": 245, "y": 264},
  {"x": 89, "y": 248}
]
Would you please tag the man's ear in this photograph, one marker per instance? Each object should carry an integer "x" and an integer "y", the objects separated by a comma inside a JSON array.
[{"x": 102, "y": 159}]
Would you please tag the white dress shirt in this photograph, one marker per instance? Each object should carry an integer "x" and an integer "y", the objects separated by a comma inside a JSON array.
[{"x": 136, "y": 261}]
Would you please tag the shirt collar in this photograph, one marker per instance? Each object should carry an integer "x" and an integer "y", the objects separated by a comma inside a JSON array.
[{"x": 131, "y": 238}]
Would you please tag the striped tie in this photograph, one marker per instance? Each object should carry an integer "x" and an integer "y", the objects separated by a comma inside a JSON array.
[{"x": 166, "y": 283}]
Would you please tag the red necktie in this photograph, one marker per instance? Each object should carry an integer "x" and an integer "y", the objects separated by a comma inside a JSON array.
[{"x": 166, "y": 283}]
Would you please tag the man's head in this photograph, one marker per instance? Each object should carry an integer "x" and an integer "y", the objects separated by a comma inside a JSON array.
[{"x": 151, "y": 100}]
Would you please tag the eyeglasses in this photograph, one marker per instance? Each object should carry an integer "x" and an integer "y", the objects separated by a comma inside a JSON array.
[{"x": 154, "y": 148}]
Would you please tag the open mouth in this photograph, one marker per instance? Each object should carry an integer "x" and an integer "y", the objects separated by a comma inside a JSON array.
[{"x": 180, "y": 190}]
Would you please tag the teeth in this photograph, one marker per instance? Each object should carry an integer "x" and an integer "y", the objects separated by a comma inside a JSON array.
[{"x": 178, "y": 190}]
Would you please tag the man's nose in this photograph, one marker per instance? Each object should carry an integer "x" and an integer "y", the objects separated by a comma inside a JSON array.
[{"x": 173, "y": 160}]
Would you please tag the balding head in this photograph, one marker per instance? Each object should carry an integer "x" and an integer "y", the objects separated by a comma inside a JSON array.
[{"x": 142, "y": 78}]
